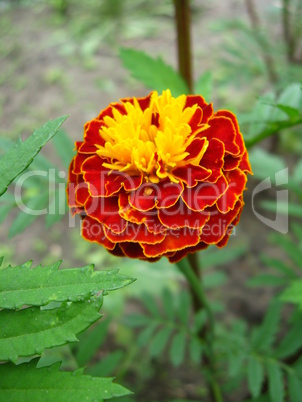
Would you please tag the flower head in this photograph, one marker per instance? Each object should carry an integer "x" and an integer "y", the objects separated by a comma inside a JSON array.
[{"x": 159, "y": 176}]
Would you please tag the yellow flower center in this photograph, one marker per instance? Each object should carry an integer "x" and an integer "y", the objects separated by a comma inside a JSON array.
[{"x": 135, "y": 145}]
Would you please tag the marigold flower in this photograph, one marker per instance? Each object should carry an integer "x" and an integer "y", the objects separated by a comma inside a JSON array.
[{"x": 159, "y": 176}]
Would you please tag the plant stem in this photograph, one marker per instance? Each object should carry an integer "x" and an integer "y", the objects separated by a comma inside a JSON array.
[
  {"x": 182, "y": 19},
  {"x": 188, "y": 267}
]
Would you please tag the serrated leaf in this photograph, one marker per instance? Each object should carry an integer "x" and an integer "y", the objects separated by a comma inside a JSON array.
[
  {"x": 255, "y": 376},
  {"x": 265, "y": 334},
  {"x": 18, "y": 158},
  {"x": 31, "y": 330},
  {"x": 178, "y": 348},
  {"x": 204, "y": 85},
  {"x": 91, "y": 341},
  {"x": 154, "y": 73},
  {"x": 22, "y": 285},
  {"x": 28, "y": 384},
  {"x": 294, "y": 388},
  {"x": 159, "y": 341},
  {"x": 275, "y": 382}
]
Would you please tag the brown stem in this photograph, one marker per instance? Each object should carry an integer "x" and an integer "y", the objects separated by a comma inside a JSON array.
[
  {"x": 287, "y": 34},
  {"x": 255, "y": 22},
  {"x": 182, "y": 18}
]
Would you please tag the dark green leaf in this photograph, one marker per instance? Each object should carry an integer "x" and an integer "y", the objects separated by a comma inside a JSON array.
[
  {"x": 291, "y": 249},
  {"x": 153, "y": 73},
  {"x": 150, "y": 304},
  {"x": 138, "y": 320},
  {"x": 275, "y": 380},
  {"x": 195, "y": 350},
  {"x": 27, "y": 383},
  {"x": 31, "y": 330},
  {"x": 283, "y": 207},
  {"x": 178, "y": 348},
  {"x": 293, "y": 294},
  {"x": 255, "y": 376},
  {"x": 16, "y": 160},
  {"x": 22, "y": 285},
  {"x": 147, "y": 333},
  {"x": 279, "y": 265},
  {"x": 294, "y": 388}
]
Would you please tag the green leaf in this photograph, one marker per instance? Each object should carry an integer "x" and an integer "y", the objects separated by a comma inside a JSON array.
[
  {"x": 279, "y": 265},
  {"x": 138, "y": 320},
  {"x": 265, "y": 334},
  {"x": 159, "y": 341},
  {"x": 204, "y": 85},
  {"x": 154, "y": 73},
  {"x": 275, "y": 380},
  {"x": 27, "y": 383},
  {"x": 178, "y": 348},
  {"x": 31, "y": 330},
  {"x": 265, "y": 164},
  {"x": 290, "y": 248},
  {"x": 236, "y": 360},
  {"x": 91, "y": 341},
  {"x": 35, "y": 207},
  {"x": 16, "y": 160},
  {"x": 107, "y": 365},
  {"x": 255, "y": 376},
  {"x": 267, "y": 280},
  {"x": 64, "y": 147},
  {"x": 147, "y": 333},
  {"x": 294, "y": 388},
  {"x": 195, "y": 350},
  {"x": 168, "y": 304},
  {"x": 57, "y": 209},
  {"x": 214, "y": 279},
  {"x": 22, "y": 285},
  {"x": 184, "y": 307},
  {"x": 150, "y": 304},
  {"x": 213, "y": 258},
  {"x": 4, "y": 211},
  {"x": 291, "y": 342},
  {"x": 285, "y": 208},
  {"x": 293, "y": 294},
  {"x": 291, "y": 112}
]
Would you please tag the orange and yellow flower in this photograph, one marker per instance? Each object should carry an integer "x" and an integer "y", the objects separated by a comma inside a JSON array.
[{"x": 159, "y": 176}]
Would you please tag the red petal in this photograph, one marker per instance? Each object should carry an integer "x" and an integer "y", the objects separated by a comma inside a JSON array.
[
  {"x": 191, "y": 174},
  {"x": 179, "y": 216},
  {"x": 108, "y": 111},
  {"x": 230, "y": 162},
  {"x": 196, "y": 119},
  {"x": 175, "y": 240},
  {"x": 213, "y": 159},
  {"x": 239, "y": 138},
  {"x": 218, "y": 224},
  {"x": 168, "y": 193},
  {"x": 236, "y": 184},
  {"x": 182, "y": 253},
  {"x": 144, "y": 198},
  {"x": 223, "y": 129},
  {"x": 245, "y": 164},
  {"x": 207, "y": 109},
  {"x": 204, "y": 194},
  {"x": 134, "y": 233},
  {"x": 93, "y": 231},
  {"x": 79, "y": 159},
  {"x": 106, "y": 211}
]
